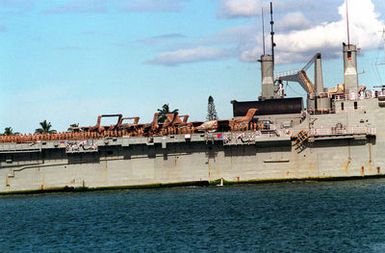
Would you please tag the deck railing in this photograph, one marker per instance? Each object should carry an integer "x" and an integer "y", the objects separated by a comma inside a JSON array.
[{"x": 342, "y": 131}]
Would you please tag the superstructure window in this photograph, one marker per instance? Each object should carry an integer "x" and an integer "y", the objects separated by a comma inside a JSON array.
[
  {"x": 342, "y": 106},
  {"x": 355, "y": 105}
]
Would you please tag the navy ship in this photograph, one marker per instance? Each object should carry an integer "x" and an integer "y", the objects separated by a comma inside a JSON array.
[{"x": 340, "y": 134}]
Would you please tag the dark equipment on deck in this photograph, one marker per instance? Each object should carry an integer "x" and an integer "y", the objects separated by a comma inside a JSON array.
[{"x": 269, "y": 106}]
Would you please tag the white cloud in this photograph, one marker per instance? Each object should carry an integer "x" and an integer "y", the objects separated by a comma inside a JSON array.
[
  {"x": 240, "y": 8},
  {"x": 327, "y": 37},
  {"x": 250, "y": 55},
  {"x": 293, "y": 21},
  {"x": 364, "y": 27},
  {"x": 189, "y": 55},
  {"x": 297, "y": 37},
  {"x": 251, "y": 8}
]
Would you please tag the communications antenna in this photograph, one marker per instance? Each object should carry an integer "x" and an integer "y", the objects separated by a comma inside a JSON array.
[
  {"x": 263, "y": 33},
  {"x": 272, "y": 30},
  {"x": 347, "y": 21}
]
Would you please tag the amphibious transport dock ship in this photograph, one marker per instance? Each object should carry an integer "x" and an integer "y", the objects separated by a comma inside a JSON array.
[{"x": 341, "y": 134}]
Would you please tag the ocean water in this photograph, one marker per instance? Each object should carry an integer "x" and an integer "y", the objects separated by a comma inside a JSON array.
[{"x": 346, "y": 216}]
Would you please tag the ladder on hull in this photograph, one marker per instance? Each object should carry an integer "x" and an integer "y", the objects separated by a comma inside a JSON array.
[{"x": 300, "y": 140}]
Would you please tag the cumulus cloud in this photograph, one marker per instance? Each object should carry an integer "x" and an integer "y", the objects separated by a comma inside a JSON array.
[
  {"x": 327, "y": 37},
  {"x": 293, "y": 21},
  {"x": 364, "y": 27},
  {"x": 251, "y": 8},
  {"x": 240, "y": 8},
  {"x": 297, "y": 37},
  {"x": 190, "y": 55}
]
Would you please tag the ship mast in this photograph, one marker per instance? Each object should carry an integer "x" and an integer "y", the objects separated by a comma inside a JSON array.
[
  {"x": 272, "y": 30},
  {"x": 263, "y": 33},
  {"x": 380, "y": 61},
  {"x": 267, "y": 62},
  {"x": 350, "y": 60},
  {"x": 347, "y": 21}
]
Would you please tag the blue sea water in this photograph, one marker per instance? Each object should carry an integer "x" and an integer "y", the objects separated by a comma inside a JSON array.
[{"x": 346, "y": 216}]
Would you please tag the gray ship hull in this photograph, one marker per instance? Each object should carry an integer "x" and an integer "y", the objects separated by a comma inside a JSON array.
[{"x": 348, "y": 143}]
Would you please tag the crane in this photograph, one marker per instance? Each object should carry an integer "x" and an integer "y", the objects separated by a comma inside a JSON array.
[{"x": 301, "y": 77}]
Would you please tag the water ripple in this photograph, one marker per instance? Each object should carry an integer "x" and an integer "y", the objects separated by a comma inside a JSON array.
[{"x": 287, "y": 217}]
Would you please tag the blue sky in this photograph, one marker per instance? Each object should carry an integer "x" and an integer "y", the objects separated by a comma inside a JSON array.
[{"x": 68, "y": 61}]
